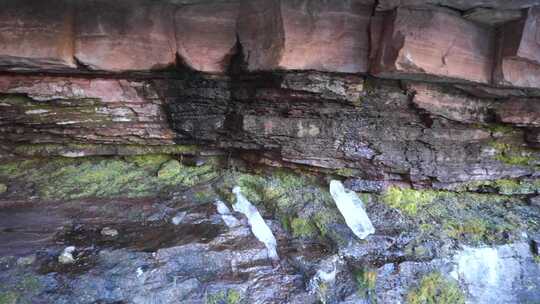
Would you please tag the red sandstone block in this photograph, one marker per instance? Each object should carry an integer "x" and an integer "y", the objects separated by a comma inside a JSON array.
[
  {"x": 518, "y": 48},
  {"x": 521, "y": 112},
  {"x": 318, "y": 35},
  {"x": 421, "y": 42},
  {"x": 206, "y": 35},
  {"x": 124, "y": 35},
  {"x": 36, "y": 34}
]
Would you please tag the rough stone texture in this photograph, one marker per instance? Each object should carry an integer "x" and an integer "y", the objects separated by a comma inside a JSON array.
[
  {"x": 492, "y": 17},
  {"x": 206, "y": 35},
  {"x": 419, "y": 42},
  {"x": 450, "y": 104},
  {"x": 533, "y": 137},
  {"x": 521, "y": 112},
  {"x": 325, "y": 35},
  {"x": 36, "y": 35},
  {"x": 460, "y": 4},
  {"x": 336, "y": 122},
  {"x": 71, "y": 110},
  {"x": 306, "y": 35},
  {"x": 260, "y": 30},
  {"x": 518, "y": 58},
  {"x": 125, "y": 36}
]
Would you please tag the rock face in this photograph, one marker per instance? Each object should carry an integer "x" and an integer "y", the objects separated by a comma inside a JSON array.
[
  {"x": 36, "y": 35},
  {"x": 206, "y": 35},
  {"x": 106, "y": 32},
  {"x": 306, "y": 35},
  {"x": 417, "y": 42},
  {"x": 127, "y": 128},
  {"x": 518, "y": 61}
]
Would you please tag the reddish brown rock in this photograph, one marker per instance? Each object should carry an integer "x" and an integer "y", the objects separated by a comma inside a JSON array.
[
  {"x": 65, "y": 110},
  {"x": 450, "y": 103},
  {"x": 36, "y": 34},
  {"x": 425, "y": 42},
  {"x": 328, "y": 36},
  {"x": 260, "y": 30},
  {"x": 50, "y": 88},
  {"x": 125, "y": 35},
  {"x": 521, "y": 112},
  {"x": 206, "y": 35},
  {"x": 518, "y": 58},
  {"x": 306, "y": 35}
]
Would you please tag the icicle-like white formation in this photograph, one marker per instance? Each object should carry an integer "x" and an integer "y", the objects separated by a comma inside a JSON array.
[
  {"x": 259, "y": 228},
  {"x": 352, "y": 209},
  {"x": 226, "y": 215}
]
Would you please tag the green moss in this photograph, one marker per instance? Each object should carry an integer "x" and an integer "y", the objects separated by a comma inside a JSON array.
[
  {"x": 504, "y": 186},
  {"x": 100, "y": 149},
  {"x": 8, "y": 297},
  {"x": 68, "y": 178},
  {"x": 536, "y": 259},
  {"x": 3, "y": 188},
  {"x": 365, "y": 280},
  {"x": 347, "y": 172},
  {"x": 476, "y": 229},
  {"x": 512, "y": 155},
  {"x": 408, "y": 200},
  {"x": 303, "y": 228},
  {"x": 435, "y": 289},
  {"x": 230, "y": 296}
]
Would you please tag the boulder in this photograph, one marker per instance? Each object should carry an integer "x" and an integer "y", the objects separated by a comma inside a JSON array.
[
  {"x": 125, "y": 36},
  {"x": 318, "y": 35},
  {"x": 36, "y": 35},
  {"x": 518, "y": 52},
  {"x": 420, "y": 42},
  {"x": 206, "y": 35}
]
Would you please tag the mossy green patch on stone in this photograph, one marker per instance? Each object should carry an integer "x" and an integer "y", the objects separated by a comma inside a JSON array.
[
  {"x": 63, "y": 178},
  {"x": 3, "y": 188},
  {"x": 285, "y": 195},
  {"x": 436, "y": 289},
  {"x": 408, "y": 200},
  {"x": 82, "y": 150},
  {"x": 512, "y": 155},
  {"x": 230, "y": 296},
  {"x": 459, "y": 216},
  {"x": 302, "y": 228},
  {"x": 366, "y": 280}
]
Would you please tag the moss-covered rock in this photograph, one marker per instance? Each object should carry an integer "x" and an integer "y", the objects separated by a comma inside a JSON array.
[
  {"x": 3, "y": 188},
  {"x": 67, "y": 178},
  {"x": 436, "y": 289}
]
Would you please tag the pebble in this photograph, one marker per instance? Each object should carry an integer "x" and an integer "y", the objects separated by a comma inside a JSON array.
[{"x": 108, "y": 231}]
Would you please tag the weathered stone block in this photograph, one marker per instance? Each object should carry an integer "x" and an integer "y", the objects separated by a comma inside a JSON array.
[
  {"x": 521, "y": 112},
  {"x": 518, "y": 52},
  {"x": 450, "y": 104},
  {"x": 306, "y": 35},
  {"x": 206, "y": 35},
  {"x": 36, "y": 35},
  {"x": 125, "y": 35},
  {"x": 421, "y": 42}
]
